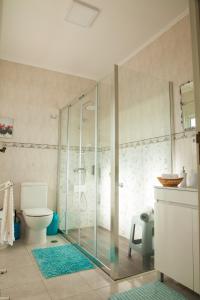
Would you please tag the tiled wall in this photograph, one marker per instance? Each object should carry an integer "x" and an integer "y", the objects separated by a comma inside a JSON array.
[
  {"x": 73, "y": 212},
  {"x": 32, "y": 97},
  {"x": 138, "y": 168},
  {"x": 170, "y": 58},
  {"x": 140, "y": 163}
]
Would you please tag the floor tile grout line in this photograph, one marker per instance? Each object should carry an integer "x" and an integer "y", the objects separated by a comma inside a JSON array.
[{"x": 46, "y": 289}]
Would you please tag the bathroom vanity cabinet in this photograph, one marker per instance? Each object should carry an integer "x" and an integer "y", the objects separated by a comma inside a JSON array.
[{"x": 177, "y": 235}]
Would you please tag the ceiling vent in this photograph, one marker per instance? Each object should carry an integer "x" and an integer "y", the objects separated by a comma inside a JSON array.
[{"x": 82, "y": 14}]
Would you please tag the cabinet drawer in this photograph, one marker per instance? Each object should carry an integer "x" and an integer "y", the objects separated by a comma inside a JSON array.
[{"x": 177, "y": 196}]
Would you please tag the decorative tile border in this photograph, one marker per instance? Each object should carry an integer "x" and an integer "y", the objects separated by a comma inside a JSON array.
[
  {"x": 160, "y": 139},
  {"x": 27, "y": 145},
  {"x": 133, "y": 144},
  {"x": 77, "y": 149},
  {"x": 185, "y": 135},
  {"x": 84, "y": 149}
]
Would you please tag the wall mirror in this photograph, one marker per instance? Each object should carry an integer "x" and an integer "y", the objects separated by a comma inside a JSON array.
[{"x": 187, "y": 106}]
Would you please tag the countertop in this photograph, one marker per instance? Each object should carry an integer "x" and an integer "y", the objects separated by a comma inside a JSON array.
[{"x": 186, "y": 189}]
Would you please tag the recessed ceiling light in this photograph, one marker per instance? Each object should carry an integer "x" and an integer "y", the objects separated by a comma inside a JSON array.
[{"x": 82, "y": 14}]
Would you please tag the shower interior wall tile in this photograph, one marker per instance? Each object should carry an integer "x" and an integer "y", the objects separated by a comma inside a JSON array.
[
  {"x": 72, "y": 213},
  {"x": 84, "y": 215},
  {"x": 88, "y": 200},
  {"x": 104, "y": 190},
  {"x": 138, "y": 169}
]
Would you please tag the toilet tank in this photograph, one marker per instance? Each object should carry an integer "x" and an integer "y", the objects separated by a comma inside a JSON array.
[{"x": 34, "y": 195}]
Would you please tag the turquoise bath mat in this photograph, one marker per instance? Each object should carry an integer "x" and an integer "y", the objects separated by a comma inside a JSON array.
[
  {"x": 61, "y": 260},
  {"x": 151, "y": 291}
]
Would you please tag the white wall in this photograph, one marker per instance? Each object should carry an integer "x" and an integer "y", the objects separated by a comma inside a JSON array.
[{"x": 30, "y": 96}]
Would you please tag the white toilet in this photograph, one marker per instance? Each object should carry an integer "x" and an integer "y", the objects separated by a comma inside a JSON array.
[{"x": 36, "y": 214}]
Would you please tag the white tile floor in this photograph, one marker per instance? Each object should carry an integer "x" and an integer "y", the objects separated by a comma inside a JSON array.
[{"x": 23, "y": 281}]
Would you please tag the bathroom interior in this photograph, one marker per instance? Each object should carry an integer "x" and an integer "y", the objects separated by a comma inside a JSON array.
[{"x": 98, "y": 141}]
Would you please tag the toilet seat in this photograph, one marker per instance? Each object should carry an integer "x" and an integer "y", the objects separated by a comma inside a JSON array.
[{"x": 37, "y": 212}]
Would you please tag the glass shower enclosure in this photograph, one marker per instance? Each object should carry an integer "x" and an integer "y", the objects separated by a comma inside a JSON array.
[
  {"x": 114, "y": 140},
  {"x": 79, "y": 176}
]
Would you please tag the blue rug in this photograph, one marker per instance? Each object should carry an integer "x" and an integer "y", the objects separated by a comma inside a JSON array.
[
  {"x": 151, "y": 291},
  {"x": 61, "y": 260}
]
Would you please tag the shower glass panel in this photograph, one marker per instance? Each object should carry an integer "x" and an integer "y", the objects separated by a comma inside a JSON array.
[
  {"x": 78, "y": 171},
  {"x": 74, "y": 174},
  {"x": 62, "y": 169},
  {"x": 105, "y": 101},
  {"x": 144, "y": 154},
  {"x": 84, "y": 164},
  {"x": 87, "y": 165}
]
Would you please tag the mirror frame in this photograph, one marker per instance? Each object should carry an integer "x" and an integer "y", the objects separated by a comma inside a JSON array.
[{"x": 181, "y": 105}]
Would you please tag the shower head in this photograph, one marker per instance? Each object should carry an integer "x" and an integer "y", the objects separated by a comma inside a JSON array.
[{"x": 81, "y": 97}]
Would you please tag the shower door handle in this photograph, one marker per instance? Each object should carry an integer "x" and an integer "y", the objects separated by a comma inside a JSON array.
[
  {"x": 121, "y": 185},
  {"x": 79, "y": 169}
]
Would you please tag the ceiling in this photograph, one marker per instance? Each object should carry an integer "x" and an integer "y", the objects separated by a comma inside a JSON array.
[{"x": 34, "y": 32}]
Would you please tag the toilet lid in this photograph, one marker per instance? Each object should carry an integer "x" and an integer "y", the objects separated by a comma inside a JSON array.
[{"x": 38, "y": 212}]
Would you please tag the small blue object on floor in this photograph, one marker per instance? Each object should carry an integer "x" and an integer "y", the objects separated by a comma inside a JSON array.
[
  {"x": 17, "y": 231},
  {"x": 52, "y": 229},
  {"x": 61, "y": 260},
  {"x": 151, "y": 291}
]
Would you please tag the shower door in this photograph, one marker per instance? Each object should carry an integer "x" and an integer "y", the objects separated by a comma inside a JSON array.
[
  {"x": 73, "y": 174},
  {"x": 82, "y": 160},
  {"x": 84, "y": 174},
  {"x": 87, "y": 164}
]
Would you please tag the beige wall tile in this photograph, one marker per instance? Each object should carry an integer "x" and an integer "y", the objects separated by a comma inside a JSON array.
[
  {"x": 169, "y": 58},
  {"x": 30, "y": 96}
]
